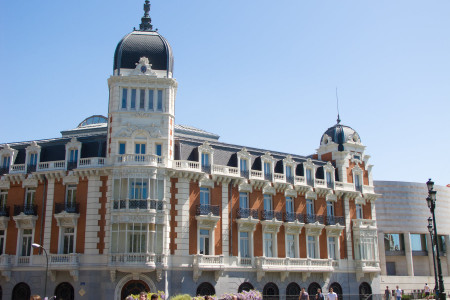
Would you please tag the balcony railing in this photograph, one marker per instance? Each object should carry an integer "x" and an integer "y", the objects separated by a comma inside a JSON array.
[
  {"x": 203, "y": 210},
  {"x": 243, "y": 213},
  {"x": 225, "y": 170},
  {"x": 246, "y": 261},
  {"x": 310, "y": 181},
  {"x": 4, "y": 170},
  {"x": 5, "y": 260},
  {"x": 296, "y": 263},
  {"x": 72, "y": 165},
  {"x": 31, "y": 168},
  {"x": 209, "y": 259},
  {"x": 292, "y": 217},
  {"x": 91, "y": 162},
  {"x": 136, "y": 259},
  {"x": 206, "y": 169},
  {"x": 320, "y": 183},
  {"x": 256, "y": 174},
  {"x": 69, "y": 207},
  {"x": 344, "y": 186},
  {"x": 290, "y": 179},
  {"x": 23, "y": 260},
  {"x": 29, "y": 209},
  {"x": 334, "y": 220},
  {"x": 4, "y": 211},
  {"x": 245, "y": 174},
  {"x": 268, "y": 176},
  {"x": 52, "y": 165},
  {"x": 279, "y": 177},
  {"x": 269, "y": 215},
  {"x": 314, "y": 218},
  {"x": 17, "y": 168},
  {"x": 64, "y": 259},
  {"x": 138, "y": 204},
  {"x": 139, "y": 159}
]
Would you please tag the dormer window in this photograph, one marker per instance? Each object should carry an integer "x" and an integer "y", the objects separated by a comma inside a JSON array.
[
  {"x": 358, "y": 185},
  {"x": 309, "y": 177},
  {"x": 206, "y": 166},
  {"x": 267, "y": 171},
  {"x": 73, "y": 159},
  {"x": 124, "y": 98},
  {"x": 244, "y": 167},
  {"x": 5, "y": 163},
  {"x": 206, "y": 157},
  {"x": 32, "y": 162},
  {"x": 289, "y": 177},
  {"x": 329, "y": 180}
]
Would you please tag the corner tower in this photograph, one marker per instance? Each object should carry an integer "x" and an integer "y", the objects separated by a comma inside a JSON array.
[{"x": 141, "y": 108}]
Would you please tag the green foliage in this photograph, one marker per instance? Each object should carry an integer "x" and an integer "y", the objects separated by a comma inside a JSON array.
[
  {"x": 181, "y": 297},
  {"x": 161, "y": 296},
  {"x": 406, "y": 297}
]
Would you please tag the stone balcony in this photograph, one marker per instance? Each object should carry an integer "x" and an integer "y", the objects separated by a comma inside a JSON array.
[
  {"x": 202, "y": 263},
  {"x": 137, "y": 262},
  {"x": 372, "y": 267},
  {"x": 148, "y": 160},
  {"x": 60, "y": 165}
]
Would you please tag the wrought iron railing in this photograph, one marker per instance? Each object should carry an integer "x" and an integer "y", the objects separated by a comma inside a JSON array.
[
  {"x": 314, "y": 218},
  {"x": 268, "y": 176},
  {"x": 4, "y": 170},
  {"x": 292, "y": 217},
  {"x": 333, "y": 220},
  {"x": 271, "y": 214},
  {"x": 72, "y": 165},
  {"x": 138, "y": 204},
  {"x": 206, "y": 169},
  {"x": 245, "y": 173},
  {"x": 4, "y": 211},
  {"x": 243, "y": 213},
  {"x": 208, "y": 209},
  {"x": 69, "y": 207},
  {"x": 31, "y": 168},
  {"x": 290, "y": 179},
  {"x": 29, "y": 209}
]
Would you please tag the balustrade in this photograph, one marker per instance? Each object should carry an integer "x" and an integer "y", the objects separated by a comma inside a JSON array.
[
  {"x": 334, "y": 220},
  {"x": 138, "y": 204},
  {"x": 314, "y": 218},
  {"x": 91, "y": 162},
  {"x": 17, "y": 168},
  {"x": 64, "y": 259},
  {"x": 69, "y": 207},
  {"x": 4, "y": 211},
  {"x": 139, "y": 159},
  {"x": 292, "y": 217},
  {"x": 271, "y": 214},
  {"x": 207, "y": 209},
  {"x": 28, "y": 209},
  {"x": 243, "y": 213},
  {"x": 52, "y": 165}
]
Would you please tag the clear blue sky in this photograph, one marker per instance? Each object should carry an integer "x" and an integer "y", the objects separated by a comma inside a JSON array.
[{"x": 259, "y": 73}]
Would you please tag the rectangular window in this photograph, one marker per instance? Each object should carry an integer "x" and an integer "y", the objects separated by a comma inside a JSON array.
[
  {"x": 204, "y": 196},
  {"x": 73, "y": 155},
  {"x": 138, "y": 189},
  {"x": 205, "y": 159},
  {"x": 29, "y": 198},
  {"x": 366, "y": 248},
  {"x": 122, "y": 148},
  {"x": 137, "y": 238},
  {"x": 289, "y": 205},
  {"x": 68, "y": 240},
  {"x": 142, "y": 99},
  {"x": 243, "y": 200},
  {"x": 243, "y": 168},
  {"x": 71, "y": 195},
  {"x": 204, "y": 241},
  {"x": 290, "y": 246},
  {"x": 3, "y": 198},
  {"x": 150, "y": 100},
  {"x": 332, "y": 247},
  {"x": 309, "y": 177},
  {"x": 330, "y": 209},
  {"x": 2, "y": 241},
  {"x": 288, "y": 171},
  {"x": 359, "y": 211},
  {"x": 158, "y": 149},
  {"x": 27, "y": 235},
  {"x": 268, "y": 245},
  {"x": 394, "y": 242},
  {"x": 160, "y": 100},
  {"x": 441, "y": 244},
  {"x": 309, "y": 207},
  {"x": 329, "y": 180},
  {"x": 124, "y": 98},
  {"x": 418, "y": 242},
  {"x": 268, "y": 202},
  {"x": 133, "y": 99},
  {"x": 311, "y": 246},
  {"x": 244, "y": 250},
  {"x": 33, "y": 159},
  {"x": 139, "y": 149},
  {"x": 6, "y": 161},
  {"x": 267, "y": 171},
  {"x": 358, "y": 186}
]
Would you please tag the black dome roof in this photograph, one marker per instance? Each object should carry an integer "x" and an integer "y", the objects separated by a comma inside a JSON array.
[
  {"x": 341, "y": 134},
  {"x": 143, "y": 43}
]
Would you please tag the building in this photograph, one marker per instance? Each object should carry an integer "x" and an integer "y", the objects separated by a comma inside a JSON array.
[
  {"x": 406, "y": 257},
  {"x": 133, "y": 201}
]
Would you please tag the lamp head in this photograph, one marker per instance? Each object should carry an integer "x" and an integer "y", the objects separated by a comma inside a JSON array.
[
  {"x": 34, "y": 245},
  {"x": 432, "y": 196},
  {"x": 429, "y": 202},
  {"x": 430, "y": 185},
  {"x": 430, "y": 225}
]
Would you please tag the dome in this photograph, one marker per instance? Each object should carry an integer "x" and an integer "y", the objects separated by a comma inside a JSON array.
[
  {"x": 144, "y": 42},
  {"x": 340, "y": 134}
]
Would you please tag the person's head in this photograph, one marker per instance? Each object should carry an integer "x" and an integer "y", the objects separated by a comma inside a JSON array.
[
  {"x": 396, "y": 287},
  {"x": 129, "y": 298},
  {"x": 331, "y": 290},
  {"x": 319, "y": 291},
  {"x": 35, "y": 297},
  {"x": 426, "y": 283},
  {"x": 303, "y": 289},
  {"x": 154, "y": 297},
  {"x": 234, "y": 297},
  {"x": 387, "y": 287},
  {"x": 142, "y": 296}
]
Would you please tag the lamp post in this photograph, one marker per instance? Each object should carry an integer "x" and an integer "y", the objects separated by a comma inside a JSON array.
[
  {"x": 34, "y": 245},
  {"x": 430, "y": 229},
  {"x": 431, "y": 201}
]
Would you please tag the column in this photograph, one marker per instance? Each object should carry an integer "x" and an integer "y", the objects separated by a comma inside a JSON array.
[
  {"x": 348, "y": 229},
  {"x": 182, "y": 219},
  {"x": 224, "y": 219},
  {"x": 93, "y": 206},
  {"x": 382, "y": 252},
  {"x": 430, "y": 254},
  {"x": 167, "y": 219},
  {"x": 408, "y": 254},
  {"x": 49, "y": 212}
]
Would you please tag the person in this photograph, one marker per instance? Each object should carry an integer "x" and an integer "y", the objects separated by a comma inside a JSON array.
[
  {"x": 234, "y": 297},
  {"x": 427, "y": 291},
  {"x": 35, "y": 297},
  {"x": 332, "y": 295},
  {"x": 304, "y": 295},
  {"x": 129, "y": 298},
  {"x": 398, "y": 293},
  {"x": 142, "y": 296},
  {"x": 387, "y": 293},
  {"x": 319, "y": 295},
  {"x": 154, "y": 297}
]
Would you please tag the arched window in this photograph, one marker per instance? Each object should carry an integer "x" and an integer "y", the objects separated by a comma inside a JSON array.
[
  {"x": 312, "y": 288},
  {"x": 64, "y": 291},
  {"x": 246, "y": 286},
  {"x": 21, "y": 292},
  {"x": 337, "y": 289},
  {"x": 270, "y": 292},
  {"x": 205, "y": 289},
  {"x": 133, "y": 287},
  {"x": 365, "y": 291},
  {"x": 292, "y": 291}
]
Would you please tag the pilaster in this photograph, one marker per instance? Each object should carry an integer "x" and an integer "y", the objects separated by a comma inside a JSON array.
[
  {"x": 225, "y": 224},
  {"x": 408, "y": 254},
  {"x": 167, "y": 228},
  {"x": 348, "y": 229},
  {"x": 93, "y": 206},
  {"x": 382, "y": 253},
  {"x": 49, "y": 212},
  {"x": 182, "y": 206}
]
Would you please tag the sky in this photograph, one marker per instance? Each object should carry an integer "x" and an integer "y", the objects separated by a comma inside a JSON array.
[{"x": 258, "y": 73}]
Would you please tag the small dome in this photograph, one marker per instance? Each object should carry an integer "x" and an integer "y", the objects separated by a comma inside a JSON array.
[
  {"x": 93, "y": 120},
  {"x": 340, "y": 134},
  {"x": 144, "y": 42}
]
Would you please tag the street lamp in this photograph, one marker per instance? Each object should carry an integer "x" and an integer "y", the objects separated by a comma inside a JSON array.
[
  {"x": 431, "y": 201},
  {"x": 430, "y": 229},
  {"x": 34, "y": 245}
]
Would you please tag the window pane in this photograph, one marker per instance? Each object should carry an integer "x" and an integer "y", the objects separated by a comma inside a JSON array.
[
  {"x": 243, "y": 200},
  {"x": 160, "y": 100},
  {"x": 150, "y": 100},
  {"x": 133, "y": 98},
  {"x": 124, "y": 98},
  {"x": 142, "y": 99}
]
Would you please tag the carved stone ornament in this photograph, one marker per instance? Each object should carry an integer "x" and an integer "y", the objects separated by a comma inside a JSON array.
[
  {"x": 70, "y": 179},
  {"x": 206, "y": 182},
  {"x": 73, "y": 144},
  {"x": 30, "y": 182},
  {"x": 244, "y": 154},
  {"x": 311, "y": 195},
  {"x": 334, "y": 230},
  {"x": 331, "y": 197},
  {"x": 329, "y": 167},
  {"x": 4, "y": 184},
  {"x": 360, "y": 200},
  {"x": 308, "y": 164},
  {"x": 247, "y": 224},
  {"x": 267, "y": 157},
  {"x": 206, "y": 148},
  {"x": 269, "y": 190},
  {"x": 4, "y": 223},
  {"x": 288, "y": 161},
  {"x": 207, "y": 221},
  {"x": 326, "y": 139},
  {"x": 65, "y": 219},
  {"x": 293, "y": 227},
  {"x": 245, "y": 187},
  {"x": 272, "y": 226},
  {"x": 147, "y": 217},
  {"x": 25, "y": 221},
  {"x": 153, "y": 130},
  {"x": 314, "y": 228},
  {"x": 290, "y": 193},
  {"x": 143, "y": 68},
  {"x": 33, "y": 148}
]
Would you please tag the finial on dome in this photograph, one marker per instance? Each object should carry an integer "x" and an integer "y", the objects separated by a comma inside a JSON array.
[
  {"x": 146, "y": 21},
  {"x": 337, "y": 105}
]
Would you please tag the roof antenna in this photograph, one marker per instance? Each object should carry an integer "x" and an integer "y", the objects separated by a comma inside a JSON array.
[
  {"x": 146, "y": 21},
  {"x": 337, "y": 106}
]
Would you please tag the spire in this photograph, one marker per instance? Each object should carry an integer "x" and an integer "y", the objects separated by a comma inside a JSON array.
[
  {"x": 337, "y": 105},
  {"x": 146, "y": 21}
]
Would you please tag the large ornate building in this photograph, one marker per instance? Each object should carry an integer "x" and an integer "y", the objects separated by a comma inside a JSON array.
[{"x": 133, "y": 201}]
